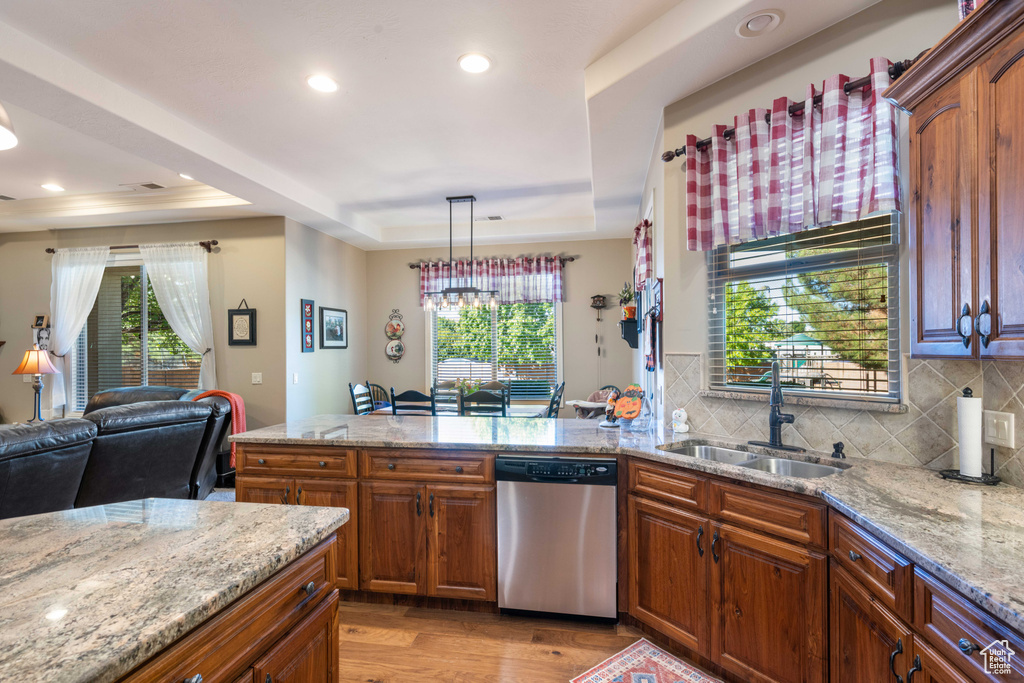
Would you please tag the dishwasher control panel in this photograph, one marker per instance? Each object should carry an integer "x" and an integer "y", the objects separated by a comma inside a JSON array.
[{"x": 566, "y": 470}]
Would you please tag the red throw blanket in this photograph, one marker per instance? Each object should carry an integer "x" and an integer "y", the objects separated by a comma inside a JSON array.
[{"x": 237, "y": 413}]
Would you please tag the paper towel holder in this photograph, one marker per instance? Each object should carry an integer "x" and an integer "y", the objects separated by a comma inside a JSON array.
[{"x": 986, "y": 479}]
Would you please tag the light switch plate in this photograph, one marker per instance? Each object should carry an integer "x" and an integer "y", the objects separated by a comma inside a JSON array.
[
  {"x": 257, "y": 378},
  {"x": 999, "y": 428},
  {"x": 295, "y": 378}
]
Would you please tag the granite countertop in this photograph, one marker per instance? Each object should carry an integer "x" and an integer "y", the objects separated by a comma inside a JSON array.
[
  {"x": 90, "y": 594},
  {"x": 971, "y": 537}
]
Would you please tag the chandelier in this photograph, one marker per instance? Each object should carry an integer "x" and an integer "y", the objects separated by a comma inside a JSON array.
[{"x": 460, "y": 297}]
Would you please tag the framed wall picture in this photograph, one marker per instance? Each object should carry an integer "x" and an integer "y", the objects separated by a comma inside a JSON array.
[
  {"x": 333, "y": 328},
  {"x": 41, "y": 337},
  {"x": 40, "y": 321},
  {"x": 242, "y": 325},
  {"x": 307, "y": 326}
]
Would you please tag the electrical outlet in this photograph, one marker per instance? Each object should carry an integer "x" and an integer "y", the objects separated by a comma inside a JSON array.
[
  {"x": 295, "y": 378},
  {"x": 257, "y": 378},
  {"x": 999, "y": 428}
]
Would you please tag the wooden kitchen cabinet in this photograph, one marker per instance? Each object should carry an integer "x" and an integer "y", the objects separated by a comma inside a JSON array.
[
  {"x": 437, "y": 540},
  {"x": 966, "y": 161},
  {"x": 273, "y": 490},
  {"x": 869, "y": 644},
  {"x": 769, "y": 605},
  {"x": 668, "y": 571},
  {"x": 928, "y": 666},
  {"x": 306, "y": 655}
]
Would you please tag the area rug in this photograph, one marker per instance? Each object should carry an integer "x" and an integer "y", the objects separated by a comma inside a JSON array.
[{"x": 642, "y": 662}]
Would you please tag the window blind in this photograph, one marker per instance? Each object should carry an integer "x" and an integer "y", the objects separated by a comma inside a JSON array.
[
  {"x": 127, "y": 341},
  {"x": 824, "y": 303},
  {"x": 516, "y": 343}
]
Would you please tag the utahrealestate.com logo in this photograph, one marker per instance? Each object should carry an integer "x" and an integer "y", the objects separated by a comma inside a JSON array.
[{"x": 997, "y": 658}]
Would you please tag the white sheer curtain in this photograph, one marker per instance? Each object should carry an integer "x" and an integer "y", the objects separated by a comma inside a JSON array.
[
  {"x": 76, "y": 281},
  {"x": 178, "y": 274}
]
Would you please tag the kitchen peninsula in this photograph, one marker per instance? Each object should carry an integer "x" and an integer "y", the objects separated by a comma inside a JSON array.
[
  {"x": 942, "y": 563},
  {"x": 165, "y": 590}
]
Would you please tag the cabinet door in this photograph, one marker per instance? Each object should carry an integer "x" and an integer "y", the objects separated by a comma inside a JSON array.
[
  {"x": 337, "y": 494},
  {"x": 864, "y": 635},
  {"x": 768, "y": 608},
  {"x": 942, "y": 166},
  {"x": 265, "y": 490},
  {"x": 668, "y": 561},
  {"x": 462, "y": 543},
  {"x": 392, "y": 538},
  {"x": 1001, "y": 201},
  {"x": 931, "y": 667},
  {"x": 308, "y": 653}
]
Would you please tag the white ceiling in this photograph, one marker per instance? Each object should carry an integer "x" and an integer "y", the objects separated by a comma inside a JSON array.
[{"x": 215, "y": 88}]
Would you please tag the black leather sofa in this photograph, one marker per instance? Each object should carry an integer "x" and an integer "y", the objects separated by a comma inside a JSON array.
[
  {"x": 207, "y": 467},
  {"x": 136, "y": 442}
]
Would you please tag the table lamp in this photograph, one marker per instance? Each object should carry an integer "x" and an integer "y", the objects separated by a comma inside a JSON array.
[{"x": 36, "y": 363}]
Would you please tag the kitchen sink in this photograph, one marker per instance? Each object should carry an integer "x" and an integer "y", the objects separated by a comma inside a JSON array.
[
  {"x": 790, "y": 468},
  {"x": 714, "y": 453}
]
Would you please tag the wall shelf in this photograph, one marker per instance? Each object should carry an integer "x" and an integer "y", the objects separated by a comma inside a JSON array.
[{"x": 629, "y": 333}]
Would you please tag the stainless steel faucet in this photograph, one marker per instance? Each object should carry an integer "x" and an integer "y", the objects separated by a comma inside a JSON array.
[{"x": 777, "y": 418}]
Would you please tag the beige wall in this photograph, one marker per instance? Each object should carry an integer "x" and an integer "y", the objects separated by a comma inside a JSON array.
[
  {"x": 249, "y": 263},
  {"x": 333, "y": 274},
  {"x": 601, "y": 266}
]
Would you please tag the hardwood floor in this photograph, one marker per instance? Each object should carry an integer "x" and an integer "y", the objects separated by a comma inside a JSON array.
[{"x": 394, "y": 644}]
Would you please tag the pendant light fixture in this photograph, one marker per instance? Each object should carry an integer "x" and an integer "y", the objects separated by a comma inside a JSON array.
[
  {"x": 461, "y": 296},
  {"x": 7, "y": 137}
]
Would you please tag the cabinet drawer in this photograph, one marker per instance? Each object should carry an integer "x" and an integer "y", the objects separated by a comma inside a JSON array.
[
  {"x": 412, "y": 465},
  {"x": 222, "y": 648},
  {"x": 781, "y": 515},
  {"x": 303, "y": 461},
  {"x": 947, "y": 618},
  {"x": 670, "y": 486},
  {"x": 886, "y": 573}
]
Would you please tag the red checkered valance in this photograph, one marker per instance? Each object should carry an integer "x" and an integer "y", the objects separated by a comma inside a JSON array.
[
  {"x": 642, "y": 266},
  {"x": 828, "y": 164},
  {"x": 517, "y": 280}
]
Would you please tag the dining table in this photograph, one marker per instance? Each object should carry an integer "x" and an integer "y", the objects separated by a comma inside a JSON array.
[{"x": 529, "y": 410}]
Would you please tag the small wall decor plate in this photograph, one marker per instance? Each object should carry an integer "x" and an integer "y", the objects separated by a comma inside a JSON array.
[
  {"x": 307, "y": 326},
  {"x": 394, "y": 350},
  {"x": 333, "y": 328},
  {"x": 395, "y": 328}
]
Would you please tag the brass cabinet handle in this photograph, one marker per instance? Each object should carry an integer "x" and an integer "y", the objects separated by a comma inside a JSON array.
[
  {"x": 419, "y": 510},
  {"x": 967, "y": 647},
  {"x": 391, "y": 466},
  {"x": 963, "y": 325},
  {"x": 854, "y": 556},
  {"x": 287, "y": 492},
  {"x": 298, "y": 496},
  {"x": 892, "y": 660},
  {"x": 322, "y": 464},
  {"x": 262, "y": 461},
  {"x": 458, "y": 469},
  {"x": 431, "y": 503},
  {"x": 310, "y": 588},
  {"x": 714, "y": 545},
  {"x": 700, "y": 536}
]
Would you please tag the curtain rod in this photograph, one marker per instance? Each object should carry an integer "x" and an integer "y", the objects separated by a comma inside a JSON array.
[
  {"x": 208, "y": 245},
  {"x": 563, "y": 259},
  {"x": 895, "y": 71}
]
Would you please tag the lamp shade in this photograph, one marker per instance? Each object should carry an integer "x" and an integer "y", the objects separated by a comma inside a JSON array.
[
  {"x": 7, "y": 137},
  {"x": 36, "y": 362}
]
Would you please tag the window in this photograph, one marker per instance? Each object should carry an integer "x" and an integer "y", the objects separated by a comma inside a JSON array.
[
  {"x": 823, "y": 302},
  {"x": 516, "y": 343},
  {"x": 127, "y": 341}
]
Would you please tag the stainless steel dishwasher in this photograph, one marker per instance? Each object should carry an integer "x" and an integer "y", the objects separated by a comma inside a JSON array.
[{"x": 557, "y": 535}]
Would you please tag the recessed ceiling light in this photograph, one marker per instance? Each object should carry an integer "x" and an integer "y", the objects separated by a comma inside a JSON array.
[
  {"x": 52, "y": 187},
  {"x": 759, "y": 23},
  {"x": 185, "y": 176},
  {"x": 7, "y": 137},
  {"x": 474, "y": 63},
  {"x": 322, "y": 83}
]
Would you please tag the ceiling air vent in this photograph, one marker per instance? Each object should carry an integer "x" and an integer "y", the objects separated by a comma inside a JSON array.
[
  {"x": 5, "y": 198},
  {"x": 495, "y": 218},
  {"x": 152, "y": 186}
]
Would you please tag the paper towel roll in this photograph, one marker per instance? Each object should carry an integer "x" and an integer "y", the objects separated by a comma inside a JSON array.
[{"x": 968, "y": 411}]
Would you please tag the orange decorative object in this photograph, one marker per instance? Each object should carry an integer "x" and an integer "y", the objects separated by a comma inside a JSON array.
[{"x": 628, "y": 407}]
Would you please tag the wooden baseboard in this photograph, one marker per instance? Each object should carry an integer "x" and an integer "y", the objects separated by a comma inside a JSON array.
[{"x": 419, "y": 601}]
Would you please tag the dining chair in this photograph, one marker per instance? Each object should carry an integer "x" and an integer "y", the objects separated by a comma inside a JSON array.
[
  {"x": 556, "y": 400},
  {"x": 504, "y": 388},
  {"x": 379, "y": 395},
  {"x": 486, "y": 403},
  {"x": 446, "y": 396},
  {"x": 413, "y": 402},
  {"x": 362, "y": 401}
]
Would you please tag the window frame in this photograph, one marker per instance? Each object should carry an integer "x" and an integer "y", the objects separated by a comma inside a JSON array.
[
  {"x": 720, "y": 274},
  {"x": 428, "y": 328}
]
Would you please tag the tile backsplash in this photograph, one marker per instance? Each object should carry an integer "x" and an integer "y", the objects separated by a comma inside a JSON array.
[{"x": 925, "y": 435}]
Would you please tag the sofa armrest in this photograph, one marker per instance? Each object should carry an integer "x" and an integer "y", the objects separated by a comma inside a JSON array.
[{"x": 147, "y": 415}]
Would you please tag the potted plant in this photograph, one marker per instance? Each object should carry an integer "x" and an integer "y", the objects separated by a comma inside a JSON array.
[{"x": 626, "y": 299}]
